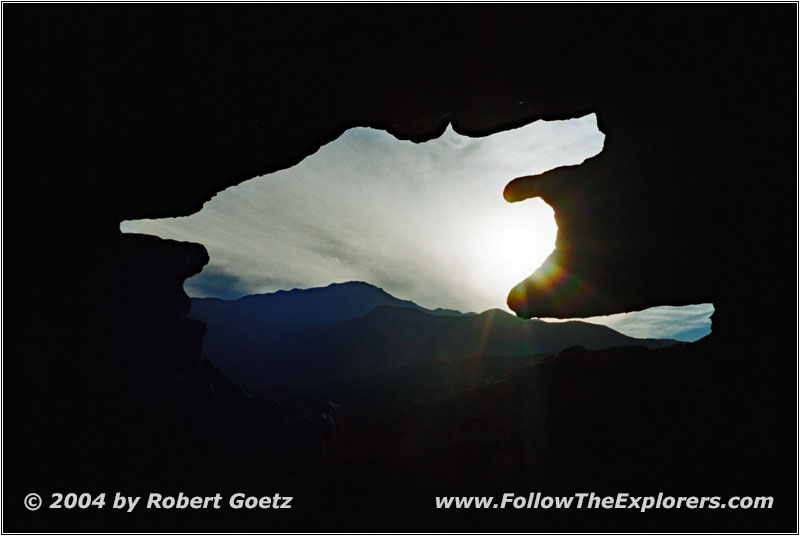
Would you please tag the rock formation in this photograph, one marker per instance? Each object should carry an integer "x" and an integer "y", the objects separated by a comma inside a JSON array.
[{"x": 121, "y": 112}]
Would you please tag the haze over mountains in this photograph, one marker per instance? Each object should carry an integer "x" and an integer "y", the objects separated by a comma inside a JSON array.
[{"x": 353, "y": 330}]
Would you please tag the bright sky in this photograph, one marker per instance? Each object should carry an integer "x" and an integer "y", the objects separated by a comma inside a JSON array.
[{"x": 425, "y": 222}]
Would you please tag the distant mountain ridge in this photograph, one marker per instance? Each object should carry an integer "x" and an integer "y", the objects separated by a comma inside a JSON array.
[
  {"x": 337, "y": 301},
  {"x": 352, "y": 330}
]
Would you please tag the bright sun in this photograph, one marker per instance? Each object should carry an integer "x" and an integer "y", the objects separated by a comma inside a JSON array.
[{"x": 512, "y": 242}]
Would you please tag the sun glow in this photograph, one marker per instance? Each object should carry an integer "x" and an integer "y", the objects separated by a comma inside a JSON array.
[{"x": 510, "y": 244}]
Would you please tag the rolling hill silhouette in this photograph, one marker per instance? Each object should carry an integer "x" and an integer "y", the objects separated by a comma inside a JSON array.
[{"x": 352, "y": 330}]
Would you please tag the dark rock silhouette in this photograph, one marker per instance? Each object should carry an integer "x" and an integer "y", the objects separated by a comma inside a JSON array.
[
  {"x": 560, "y": 424},
  {"x": 120, "y": 112}
]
